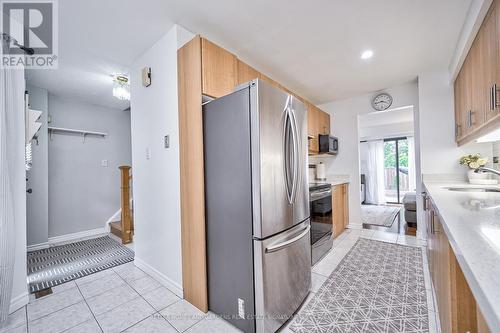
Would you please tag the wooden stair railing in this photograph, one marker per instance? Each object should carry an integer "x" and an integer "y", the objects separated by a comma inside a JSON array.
[{"x": 124, "y": 228}]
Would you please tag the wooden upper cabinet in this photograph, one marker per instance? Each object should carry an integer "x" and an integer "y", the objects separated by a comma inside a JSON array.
[
  {"x": 318, "y": 122},
  {"x": 475, "y": 111},
  {"x": 246, "y": 73},
  {"x": 312, "y": 128},
  {"x": 324, "y": 122},
  {"x": 219, "y": 70}
]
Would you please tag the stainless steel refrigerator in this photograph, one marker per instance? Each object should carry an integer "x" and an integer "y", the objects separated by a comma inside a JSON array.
[{"x": 257, "y": 206}]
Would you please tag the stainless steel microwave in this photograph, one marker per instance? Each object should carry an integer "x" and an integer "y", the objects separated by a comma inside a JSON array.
[{"x": 328, "y": 144}]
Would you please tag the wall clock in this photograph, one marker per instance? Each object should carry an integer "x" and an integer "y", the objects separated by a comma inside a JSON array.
[{"x": 382, "y": 101}]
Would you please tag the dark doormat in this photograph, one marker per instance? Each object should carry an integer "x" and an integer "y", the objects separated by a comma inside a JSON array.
[{"x": 55, "y": 265}]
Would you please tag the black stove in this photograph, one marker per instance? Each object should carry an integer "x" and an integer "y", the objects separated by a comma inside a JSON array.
[
  {"x": 321, "y": 208},
  {"x": 318, "y": 186}
]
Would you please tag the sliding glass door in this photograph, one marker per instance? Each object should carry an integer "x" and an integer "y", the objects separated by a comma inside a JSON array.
[{"x": 396, "y": 169}]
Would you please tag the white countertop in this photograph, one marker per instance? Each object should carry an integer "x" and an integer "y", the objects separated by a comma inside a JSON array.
[
  {"x": 337, "y": 179},
  {"x": 474, "y": 234}
]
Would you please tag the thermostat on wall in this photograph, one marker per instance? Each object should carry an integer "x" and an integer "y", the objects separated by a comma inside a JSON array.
[{"x": 146, "y": 76}]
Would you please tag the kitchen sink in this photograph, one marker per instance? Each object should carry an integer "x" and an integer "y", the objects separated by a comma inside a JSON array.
[{"x": 474, "y": 189}]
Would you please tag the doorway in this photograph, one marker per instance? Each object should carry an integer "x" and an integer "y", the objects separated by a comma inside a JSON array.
[{"x": 396, "y": 180}]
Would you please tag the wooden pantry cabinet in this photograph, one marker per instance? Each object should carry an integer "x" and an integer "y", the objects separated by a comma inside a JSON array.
[
  {"x": 206, "y": 69},
  {"x": 340, "y": 204},
  {"x": 458, "y": 311},
  {"x": 477, "y": 86}
]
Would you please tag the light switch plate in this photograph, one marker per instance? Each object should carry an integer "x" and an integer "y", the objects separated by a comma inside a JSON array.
[
  {"x": 166, "y": 141},
  {"x": 104, "y": 163},
  {"x": 148, "y": 153},
  {"x": 241, "y": 308}
]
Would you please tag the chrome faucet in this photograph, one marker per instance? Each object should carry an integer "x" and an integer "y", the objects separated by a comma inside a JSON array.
[{"x": 483, "y": 169}]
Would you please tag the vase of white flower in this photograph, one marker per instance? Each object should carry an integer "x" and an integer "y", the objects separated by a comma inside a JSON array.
[{"x": 473, "y": 162}]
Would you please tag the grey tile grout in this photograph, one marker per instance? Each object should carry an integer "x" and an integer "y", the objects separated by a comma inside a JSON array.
[
  {"x": 48, "y": 314},
  {"x": 92, "y": 313},
  {"x": 26, "y": 314}
]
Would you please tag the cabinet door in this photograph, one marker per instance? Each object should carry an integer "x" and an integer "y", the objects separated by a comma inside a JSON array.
[
  {"x": 219, "y": 70},
  {"x": 246, "y": 73},
  {"x": 324, "y": 122},
  {"x": 466, "y": 100},
  {"x": 479, "y": 92},
  {"x": 345, "y": 203},
  {"x": 490, "y": 60},
  {"x": 312, "y": 128},
  {"x": 338, "y": 210},
  {"x": 459, "y": 107}
]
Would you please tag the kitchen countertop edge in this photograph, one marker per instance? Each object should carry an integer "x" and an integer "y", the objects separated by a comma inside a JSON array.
[{"x": 485, "y": 302}]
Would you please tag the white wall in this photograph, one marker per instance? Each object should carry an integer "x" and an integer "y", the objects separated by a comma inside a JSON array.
[
  {"x": 83, "y": 194},
  {"x": 387, "y": 131},
  {"x": 37, "y": 203},
  {"x": 439, "y": 152},
  {"x": 156, "y": 180},
  {"x": 344, "y": 125}
]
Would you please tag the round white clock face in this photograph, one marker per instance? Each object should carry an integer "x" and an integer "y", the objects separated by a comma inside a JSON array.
[{"x": 382, "y": 102}]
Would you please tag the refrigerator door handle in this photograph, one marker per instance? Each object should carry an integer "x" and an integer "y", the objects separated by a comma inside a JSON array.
[
  {"x": 282, "y": 245},
  {"x": 296, "y": 152},
  {"x": 287, "y": 145}
]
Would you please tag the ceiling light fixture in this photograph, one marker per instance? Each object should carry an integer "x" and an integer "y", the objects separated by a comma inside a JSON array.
[
  {"x": 121, "y": 87},
  {"x": 367, "y": 54}
]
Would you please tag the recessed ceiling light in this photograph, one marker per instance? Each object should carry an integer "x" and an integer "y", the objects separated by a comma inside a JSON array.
[{"x": 367, "y": 54}]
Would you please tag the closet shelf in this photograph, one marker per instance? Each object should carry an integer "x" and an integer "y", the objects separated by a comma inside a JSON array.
[{"x": 62, "y": 130}]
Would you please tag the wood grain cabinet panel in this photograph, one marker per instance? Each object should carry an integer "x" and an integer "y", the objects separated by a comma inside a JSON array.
[
  {"x": 192, "y": 191},
  {"x": 345, "y": 188},
  {"x": 219, "y": 70},
  {"x": 475, "y": 111},
  {"x": 246, "y": 73},
  {"x": 458, "y": 310},
  {"x": 318, "y": 122},
  {"x": 340, "y": 204}
]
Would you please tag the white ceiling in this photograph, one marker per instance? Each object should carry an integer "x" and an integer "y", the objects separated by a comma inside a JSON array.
[
  {"x": 312, "y": 47},
  {"x": 98, "y": 38}
]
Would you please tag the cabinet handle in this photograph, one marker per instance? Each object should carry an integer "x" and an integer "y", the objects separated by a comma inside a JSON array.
[
  {"x": 432, "y": 222},
  {"x": 495, "y": 91},
  {"x": 492, "y": 98},
  {"x": 457, "y": 130},
  {"x": 470, "y": 119},
  {"x": 424, "y": 197}
]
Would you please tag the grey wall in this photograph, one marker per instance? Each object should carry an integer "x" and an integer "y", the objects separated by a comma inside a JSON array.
[
  {"x": 37, "y": 204},
  {"x": 83, "y": 194}
]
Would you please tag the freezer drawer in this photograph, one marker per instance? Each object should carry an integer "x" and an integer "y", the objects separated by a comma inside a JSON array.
[{"x": 282, "y": 276}]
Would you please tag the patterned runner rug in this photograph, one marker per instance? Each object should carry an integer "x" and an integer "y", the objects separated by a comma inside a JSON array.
[
  {"x": 378, "y": 287},
  {"x": 55, "y": 265},
  {"x": 380, "y": 215}
]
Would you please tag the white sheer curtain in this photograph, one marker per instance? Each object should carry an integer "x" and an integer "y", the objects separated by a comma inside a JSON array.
[
  {"x": 412, "y": 173},
  {"x": 375, "y": 187},
  {"x": 12, "y": 145}
]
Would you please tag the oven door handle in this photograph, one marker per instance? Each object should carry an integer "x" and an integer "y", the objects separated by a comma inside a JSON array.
[
  {"x": 282, "y": 245},
  {"x": 316, "y": 195},
  {"x": 324, "y": 241}
]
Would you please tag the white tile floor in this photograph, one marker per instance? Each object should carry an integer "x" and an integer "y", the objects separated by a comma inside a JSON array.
[{"x": 126, "y": 299}]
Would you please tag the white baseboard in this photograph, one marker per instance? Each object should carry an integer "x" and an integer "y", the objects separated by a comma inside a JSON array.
[
  {"x": 82, "y": 235},
  {"x": 18, "y": 302},
  {"x": 167, "y": 282},
  {"x": 39, "y": 246}
]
